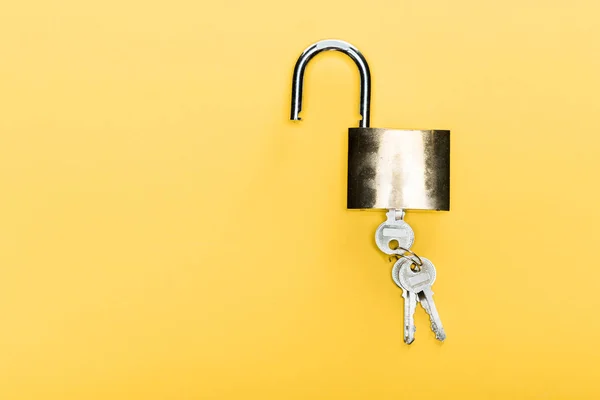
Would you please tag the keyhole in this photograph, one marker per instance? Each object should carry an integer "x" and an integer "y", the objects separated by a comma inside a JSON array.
[{"x": 393, "y": 244}]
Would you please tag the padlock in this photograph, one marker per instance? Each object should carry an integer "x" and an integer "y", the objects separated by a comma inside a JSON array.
[
  {"x": 394, "y": 170},
  {"x": 387, "y": 168}
]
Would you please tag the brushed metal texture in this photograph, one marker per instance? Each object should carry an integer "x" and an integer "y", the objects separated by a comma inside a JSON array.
[{"x": 401, "y": 169}]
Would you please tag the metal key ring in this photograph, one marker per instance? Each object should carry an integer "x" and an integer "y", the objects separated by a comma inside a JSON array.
[{"x": 416, "y": 260}]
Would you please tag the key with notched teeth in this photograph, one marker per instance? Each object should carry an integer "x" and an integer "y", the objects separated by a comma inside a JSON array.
[
  {"x": 418, "y": 280},
  {"x": 410, "y": 305}
]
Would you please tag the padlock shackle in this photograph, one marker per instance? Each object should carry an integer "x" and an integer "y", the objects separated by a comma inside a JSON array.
[{"x": 350, "y": 51}]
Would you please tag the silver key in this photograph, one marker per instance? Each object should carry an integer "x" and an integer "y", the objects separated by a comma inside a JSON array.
[
  {"x": 410, "y": 305},
  {"x": 394, "y": 229},
  {"x": 420, "y": 282}
]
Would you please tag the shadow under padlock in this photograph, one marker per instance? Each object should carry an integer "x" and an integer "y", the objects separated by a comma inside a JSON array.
[{"x": 395, "y": 170}]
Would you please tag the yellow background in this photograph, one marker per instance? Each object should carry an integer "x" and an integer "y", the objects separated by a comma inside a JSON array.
[{"x": 167, "y": 233}]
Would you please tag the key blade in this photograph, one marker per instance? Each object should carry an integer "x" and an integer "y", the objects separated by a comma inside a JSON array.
[
  {"x": 413, "y": 308},
  {"x": 410, "y": 305},
  {"x": 426, "y": 300}
]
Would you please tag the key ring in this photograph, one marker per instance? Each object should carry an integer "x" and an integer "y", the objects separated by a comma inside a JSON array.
[{"x": 414, "y": 258}]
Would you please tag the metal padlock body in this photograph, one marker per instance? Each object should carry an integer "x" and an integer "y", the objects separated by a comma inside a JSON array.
[{"x": 398, "y": 169}]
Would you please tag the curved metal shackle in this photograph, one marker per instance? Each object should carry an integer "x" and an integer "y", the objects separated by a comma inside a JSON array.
[{"x": 350, "y": 51}]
